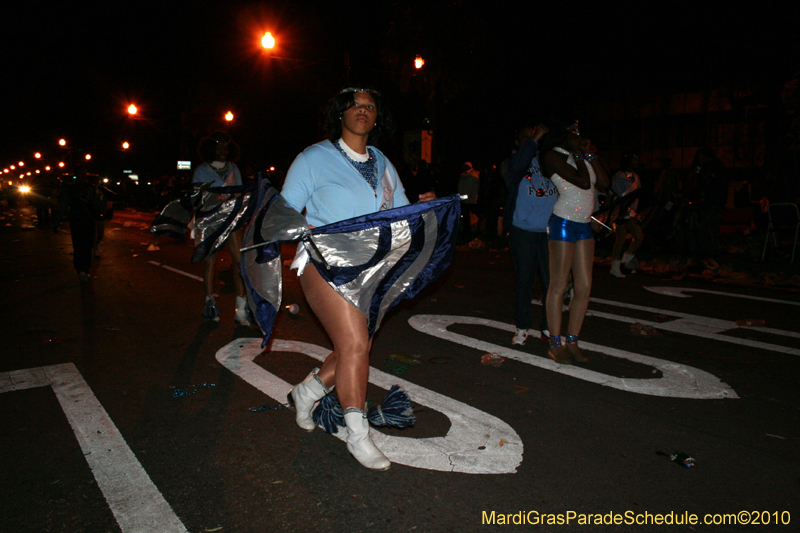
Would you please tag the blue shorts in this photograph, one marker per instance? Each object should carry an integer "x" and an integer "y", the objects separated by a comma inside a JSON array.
[{"x": 562, "y": 229}]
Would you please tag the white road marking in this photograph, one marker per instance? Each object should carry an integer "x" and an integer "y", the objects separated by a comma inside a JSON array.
[
  {"x": 172, "y": 269},
  {"x": 677, "y": 381},
  {"x": 136, "y": 503},
  {"x": 459, "y": 451},
  {"x": 678, "y": 292},
  {"x": 700, "y": 326}
]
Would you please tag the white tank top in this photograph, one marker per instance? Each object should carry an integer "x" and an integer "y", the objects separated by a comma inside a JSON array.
[{"x": 574, "y": 203}]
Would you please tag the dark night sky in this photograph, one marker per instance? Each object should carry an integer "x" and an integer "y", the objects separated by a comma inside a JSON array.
[{"x": 69, "y": 72}]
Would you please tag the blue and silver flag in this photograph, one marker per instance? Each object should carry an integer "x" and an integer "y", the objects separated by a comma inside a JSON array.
[
  {"x": 373, "y": 261},
  {"x": 218, "y": 212}
]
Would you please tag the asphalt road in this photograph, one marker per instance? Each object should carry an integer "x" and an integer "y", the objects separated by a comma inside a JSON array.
[{"x": 94, "y": 439}]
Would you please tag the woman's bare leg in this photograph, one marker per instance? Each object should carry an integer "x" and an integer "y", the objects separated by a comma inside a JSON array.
[
  {"x": 582, "y": 263},
  {"x": 208, "y": 273},
  {"x": 348, "y": 365},
  {"x": 235, "y": 247},
  {"x": 561, "y": 253}
]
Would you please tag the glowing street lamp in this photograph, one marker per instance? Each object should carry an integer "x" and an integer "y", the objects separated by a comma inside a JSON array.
[
  {"x": 21, "y": 163},
  {"x": 418, "y": 62},
  {"x": 229, "y": 116},
  {"x": 132, "y": 109},
  {"x": 88, "y": 157},
  {"x": 62, "y": 142},
  {"x": 126, "y": 145},
  {"x": 37, "y": 155},
  {"x": 268, "y": 41},
  {"x": 60, "y": 164}
]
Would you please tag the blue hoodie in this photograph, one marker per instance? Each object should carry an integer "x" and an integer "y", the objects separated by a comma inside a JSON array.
[{"x": 531, "y": 196}]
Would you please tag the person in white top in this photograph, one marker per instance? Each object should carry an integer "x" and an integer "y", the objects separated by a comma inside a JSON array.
[{"x": 567, "y": 162}]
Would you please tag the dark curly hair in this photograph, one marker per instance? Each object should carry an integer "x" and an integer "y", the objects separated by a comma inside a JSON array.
[
  {"x": 344, "y": 101},
  {"x": 207, "y": 148},
  {"x": 558, "y": 131}
]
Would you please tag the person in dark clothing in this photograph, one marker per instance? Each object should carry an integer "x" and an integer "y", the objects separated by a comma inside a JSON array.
[
  {"x": 531, "y": 197},
  {"x": 708, "y": 191},
  {"x": 82, "y": 204}
]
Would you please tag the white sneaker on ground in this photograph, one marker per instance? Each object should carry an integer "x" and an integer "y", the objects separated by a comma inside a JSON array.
[
  {"x": 545, "y": 336},
  {"x": 520, "y": 337}
]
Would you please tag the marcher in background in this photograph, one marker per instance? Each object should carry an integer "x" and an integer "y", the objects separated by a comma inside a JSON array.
[
  {"x": 218, "y": 169},
  {"x": 567, "y": 161},
  {"x": 468, "y": 187},
  {"x": 626, "y": 181},
  {"x": 530, "y": 201},
  {"x": 82, "y": 204},
  {"x": 708, "y": 191}
]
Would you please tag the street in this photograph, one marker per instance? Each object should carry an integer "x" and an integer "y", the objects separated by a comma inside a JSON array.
[{"x": 123, "y": 411}]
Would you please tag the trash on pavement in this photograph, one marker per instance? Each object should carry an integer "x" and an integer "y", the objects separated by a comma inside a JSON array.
[
  {"x": 680, "y": 458},
  {"x": 404, "y": 359},
  {"x": 492, "y": 359},
  {"x": 182, "y": 393},
  {"x": 645, "y": 330}
]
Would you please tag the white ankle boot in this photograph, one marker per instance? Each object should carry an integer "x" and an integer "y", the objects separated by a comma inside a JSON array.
[
  {"x": 304, "y": 396},
  {"x": 360, "y": 444},
  {"x": 241, "y": 311},
  {"x": 616, "y": 271}
]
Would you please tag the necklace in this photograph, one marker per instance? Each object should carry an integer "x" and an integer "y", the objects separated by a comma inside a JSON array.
[
  {"x": 220, "y": 171},
  {"x": 365, "y": 168}
]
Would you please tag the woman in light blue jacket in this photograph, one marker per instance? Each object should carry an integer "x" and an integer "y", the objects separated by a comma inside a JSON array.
[{"x": 337, "y": 179}]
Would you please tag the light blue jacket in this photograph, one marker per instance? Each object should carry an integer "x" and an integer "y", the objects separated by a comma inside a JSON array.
[
  {"x": 330, "y": 189},
  {"x": 206, "y": 174}
]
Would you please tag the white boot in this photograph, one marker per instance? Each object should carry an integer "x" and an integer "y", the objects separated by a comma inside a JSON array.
[
  {"x": 304, "y": 396},
  {"x": 241, "y": 311},
  {"x": 629, "y": 260},
  {"x": 360, "y": 444},
  {"x": 615, "y": 269}
]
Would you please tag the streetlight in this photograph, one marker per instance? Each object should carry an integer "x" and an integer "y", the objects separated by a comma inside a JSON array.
[
  {"x": 88, "y": 157},
  {"x": 418, "y": 62},
  {"x": 229, "y": 116},
  {"x": 62, "y": 142},
  {"x": 126, "y": 145},
  {"x": 268, "y": 41},
  {"x": 37, "y": 155},
  {"x": 132, "y": 109}
]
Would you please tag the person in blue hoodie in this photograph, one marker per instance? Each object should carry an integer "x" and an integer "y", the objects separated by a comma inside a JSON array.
[
  {"x": 530, "y": 201},
  {"x": 337, "y": 179}
]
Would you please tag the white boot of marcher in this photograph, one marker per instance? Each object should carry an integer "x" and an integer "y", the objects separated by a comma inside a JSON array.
[
  {"x": 629, "y": 260},
  {"x": 616, "y": 271},
  {"x": 360, "y": 444},
  {"x": 304, "y": 395},
  {"x": 241, "y": 311}
]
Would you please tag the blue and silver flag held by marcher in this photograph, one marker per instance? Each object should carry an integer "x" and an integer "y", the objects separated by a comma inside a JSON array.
[
  {"x": 211, "y": 213},
  {"x": 373, "y": 261}
]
